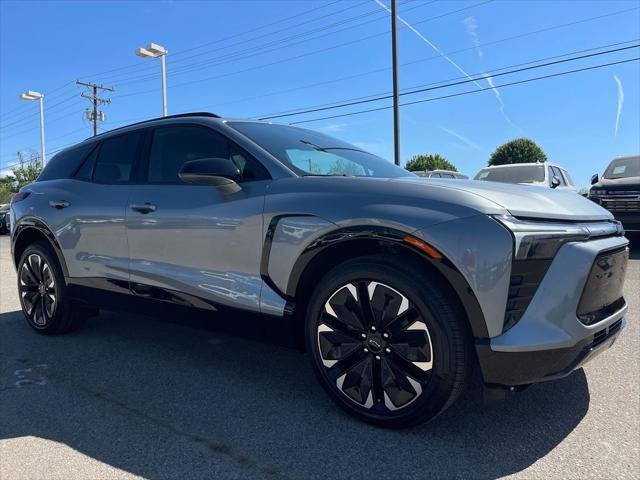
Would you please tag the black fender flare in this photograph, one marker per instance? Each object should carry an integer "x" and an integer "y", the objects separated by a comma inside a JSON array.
[
  {"x": 30, "y": 223},
  {"x": 384, "y": 236}
]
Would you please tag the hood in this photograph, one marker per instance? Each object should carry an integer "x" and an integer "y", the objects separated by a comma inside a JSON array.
[
  {"x": 627, "y": 183},
  {"x": 526, "y": 200}
]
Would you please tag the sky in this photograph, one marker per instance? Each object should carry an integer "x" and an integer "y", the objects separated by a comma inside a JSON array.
[{"x": 250, "y": 59}]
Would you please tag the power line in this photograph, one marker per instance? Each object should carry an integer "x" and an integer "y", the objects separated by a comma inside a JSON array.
[
  {"x": 476, "y": 77},
  {"x": 180, "y": 52},
  {"x": 227, "y": 74},
  {"x": 303, "y": 55},
  {"x": 528, "y": 80},
  {"x": 255, "y": 51}
]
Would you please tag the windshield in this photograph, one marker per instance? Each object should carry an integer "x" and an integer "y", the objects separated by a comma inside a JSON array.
[
  {"x": 513, "y": 174},
  {"x": 312, "y": 153},
  {"x": 623, "y": 167}
]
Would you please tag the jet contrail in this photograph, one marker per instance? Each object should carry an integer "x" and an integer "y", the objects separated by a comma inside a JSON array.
[
  {"x": 471, "y": 25},
  {"x": 462, "y": 138},
  {"x": 620, "y": 103},
  {"x": 458, "y": 67}
]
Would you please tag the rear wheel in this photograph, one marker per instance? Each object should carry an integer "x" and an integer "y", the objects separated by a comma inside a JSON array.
[
  {"x": 388, "y": 343},
  {"x": 43, "y": 293}
]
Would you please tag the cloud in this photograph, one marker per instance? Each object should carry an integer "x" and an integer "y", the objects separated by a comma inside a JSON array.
[
  {"x": 620, "y": 103},
  {"x": 463, "y": 139},
  {"x": 471, "y": 26},
  {"x": 455, "y": 65}
]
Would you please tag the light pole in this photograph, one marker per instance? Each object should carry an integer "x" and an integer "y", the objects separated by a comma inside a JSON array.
[
  {"x": 31, "y": 95},
  {"x": 151, "y": 51},
  {"x": 396, "y": 105}
]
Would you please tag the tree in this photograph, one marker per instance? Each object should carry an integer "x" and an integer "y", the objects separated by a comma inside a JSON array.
[
  {"x": 420, "y": 163},
  {"x": 25, "y": 175},
  {"x": 519, "y": 150},
  {"x": 21, "y": 176},
  {"x": 5, "y": 191}
]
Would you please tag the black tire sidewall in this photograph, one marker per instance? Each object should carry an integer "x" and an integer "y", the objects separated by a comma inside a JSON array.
[{"x": 428, "y": 297}]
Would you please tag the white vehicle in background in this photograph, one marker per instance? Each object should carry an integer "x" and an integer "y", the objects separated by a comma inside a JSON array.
[
  {"x": 441, "y": 174},
  {"x": 543, "y": 174}
]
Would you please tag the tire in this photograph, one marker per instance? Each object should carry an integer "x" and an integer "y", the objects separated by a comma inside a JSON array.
[
  {"x": 44, "y": 295},
  {"x": 388, "y": 342}
]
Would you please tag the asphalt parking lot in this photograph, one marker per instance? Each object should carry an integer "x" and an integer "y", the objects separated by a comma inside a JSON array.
[{"x": 133, "y": 397}]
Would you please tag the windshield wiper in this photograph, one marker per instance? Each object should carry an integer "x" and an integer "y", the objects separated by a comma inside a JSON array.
[
  {"x": 324, "y": 149},
  {"x": 326, "y": 175},
  {"x": 306, "y": 142}
]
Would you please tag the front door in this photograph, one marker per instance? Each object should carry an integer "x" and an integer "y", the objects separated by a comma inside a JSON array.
[{"x": 196, "y": 242}]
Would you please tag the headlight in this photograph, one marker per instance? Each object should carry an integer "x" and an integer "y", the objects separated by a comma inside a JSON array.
[{"x": 541, "y": 240}]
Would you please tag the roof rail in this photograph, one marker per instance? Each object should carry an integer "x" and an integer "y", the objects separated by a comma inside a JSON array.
[{"x": 178, "y": 115}]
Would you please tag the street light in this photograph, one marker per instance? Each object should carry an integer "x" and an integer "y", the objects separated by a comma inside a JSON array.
[
  {"x": 154, "y": 50},
  {"x": 31, "y": 95}
]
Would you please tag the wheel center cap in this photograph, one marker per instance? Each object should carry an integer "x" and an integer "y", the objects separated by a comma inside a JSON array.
[
  {"x": 42, "y": 289},
  {"x": 375, "y": 343}
]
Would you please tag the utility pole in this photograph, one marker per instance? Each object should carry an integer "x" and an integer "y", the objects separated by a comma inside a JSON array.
[
  {"x": 396, "y": 110},
  {"x": 95, "y": 115}
]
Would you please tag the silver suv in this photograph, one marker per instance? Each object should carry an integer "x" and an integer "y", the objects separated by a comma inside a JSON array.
[
  {"x": 542, "y": 174},
  {"x": 395, "y": 286}
]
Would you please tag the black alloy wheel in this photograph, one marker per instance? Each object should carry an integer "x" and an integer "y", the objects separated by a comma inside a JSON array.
[
  {"x": 38, "y": 293},
  {"x": 375, "y": 346},
  {"x": 389, "y": 340}
]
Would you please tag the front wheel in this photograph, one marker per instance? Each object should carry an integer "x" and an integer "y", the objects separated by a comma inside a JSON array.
[{"x": 388, "y": 341}]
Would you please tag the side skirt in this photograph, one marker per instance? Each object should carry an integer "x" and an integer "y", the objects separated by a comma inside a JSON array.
[{"x": 175, "y": 307}]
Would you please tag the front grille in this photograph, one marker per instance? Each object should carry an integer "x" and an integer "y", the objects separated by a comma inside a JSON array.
[
  {"x": 621, "y": 203},
  {"x": 526, "y": 275}
]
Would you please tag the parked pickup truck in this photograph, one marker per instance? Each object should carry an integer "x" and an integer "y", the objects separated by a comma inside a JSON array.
[{"x": 619, "y": 191}]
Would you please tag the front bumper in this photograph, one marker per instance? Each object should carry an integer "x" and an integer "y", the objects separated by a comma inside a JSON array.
[{"x": 549, "y": 341}]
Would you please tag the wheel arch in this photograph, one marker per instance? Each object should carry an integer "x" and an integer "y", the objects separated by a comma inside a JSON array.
[
  {"x": 30, "y": 230},
  {"x": 336, "y": 247}
]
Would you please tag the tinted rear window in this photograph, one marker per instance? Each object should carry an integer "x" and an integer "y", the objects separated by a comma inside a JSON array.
[
  {"x": 65, "y": 163},
  {"x": 515, "y": 174}
]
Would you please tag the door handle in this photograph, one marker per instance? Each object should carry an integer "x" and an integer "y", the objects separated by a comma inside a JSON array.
[
  {"x": 59, "y": 204},
  {"x": 146, "y": 208}
]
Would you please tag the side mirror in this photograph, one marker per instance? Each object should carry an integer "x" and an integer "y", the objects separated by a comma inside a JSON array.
[
  {"x": 594, "y": 179},
  {"x": 555, "y": 181},
  {"x": 216, "y": 172}
]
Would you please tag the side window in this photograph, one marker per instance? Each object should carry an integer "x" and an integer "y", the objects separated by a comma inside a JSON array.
[
  {"x": 436, "y": 175},
  {"x": 567, "y": 177},
  {"x": 85, "y": 172},
  {"x": 173, "y": 146},
  {"x": 116, "y": 157},
  {"x": 65, "y": 163},
  {"x": 556, "y": 172},
  {"x": 551, "y": 174}
]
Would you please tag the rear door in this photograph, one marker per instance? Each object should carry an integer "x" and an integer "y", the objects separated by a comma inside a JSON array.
[
  {"x": 93, "y": 238},
  {"x": 196, "y": 242}
]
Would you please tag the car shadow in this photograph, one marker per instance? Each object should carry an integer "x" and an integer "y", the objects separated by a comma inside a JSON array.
[{"x": 163, "y": 400}]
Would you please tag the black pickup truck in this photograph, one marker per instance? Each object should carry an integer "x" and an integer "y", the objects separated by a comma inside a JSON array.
[{"x": 619, "y": 191}]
